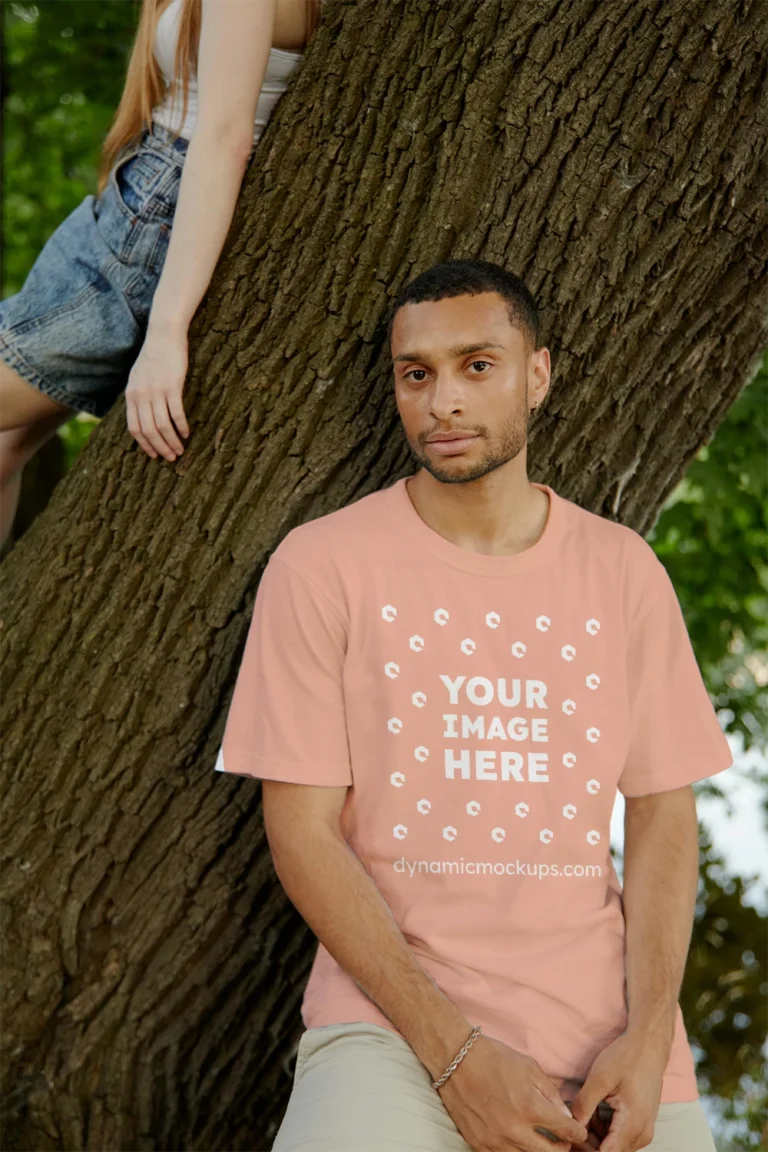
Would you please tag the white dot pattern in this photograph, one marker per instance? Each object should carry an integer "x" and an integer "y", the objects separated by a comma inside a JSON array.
[{"x": 518, "y": 649}]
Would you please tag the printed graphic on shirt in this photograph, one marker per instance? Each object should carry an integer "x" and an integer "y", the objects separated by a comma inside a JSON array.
[{"x": 515, "y": 732}]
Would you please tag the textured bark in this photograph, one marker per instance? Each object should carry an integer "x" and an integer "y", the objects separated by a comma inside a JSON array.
[{"x": 612, "y": 155}]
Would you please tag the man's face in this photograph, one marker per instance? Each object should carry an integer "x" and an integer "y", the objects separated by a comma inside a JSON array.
[{"x": 460, "y": 365}]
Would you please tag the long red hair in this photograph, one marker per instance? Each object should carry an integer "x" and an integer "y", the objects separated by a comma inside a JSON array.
[{"x": 144, "y": 82}]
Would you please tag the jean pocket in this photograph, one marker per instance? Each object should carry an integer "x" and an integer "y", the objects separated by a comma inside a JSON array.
[
  {"x": 145, "y": 184},
  {"x": 113, "y": 187}
]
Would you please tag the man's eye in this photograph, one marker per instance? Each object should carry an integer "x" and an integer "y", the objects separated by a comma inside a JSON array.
[
  {"x": 411, "y": 373},
  {"x": 474, "y": 362}
]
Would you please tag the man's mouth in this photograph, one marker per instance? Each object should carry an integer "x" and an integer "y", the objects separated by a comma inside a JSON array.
[{"x": 451, "y": 443}]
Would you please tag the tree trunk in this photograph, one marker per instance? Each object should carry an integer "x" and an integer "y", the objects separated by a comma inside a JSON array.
[{"x": 611, "y": 155}]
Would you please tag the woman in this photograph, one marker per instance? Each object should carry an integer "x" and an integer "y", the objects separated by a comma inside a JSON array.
[{"x": 108, "y": 303}]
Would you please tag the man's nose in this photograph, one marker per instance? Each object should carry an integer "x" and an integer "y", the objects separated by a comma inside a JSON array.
[{"x": 446, "y": 398}]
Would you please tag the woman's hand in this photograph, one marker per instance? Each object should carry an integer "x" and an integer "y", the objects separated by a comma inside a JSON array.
[{"x": 153, "y": 393}]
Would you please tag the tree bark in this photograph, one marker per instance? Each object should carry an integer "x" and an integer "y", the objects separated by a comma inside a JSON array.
[{"x": 614, "y": 157}]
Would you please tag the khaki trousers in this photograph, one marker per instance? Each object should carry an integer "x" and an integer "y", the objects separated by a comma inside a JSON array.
[{"x": 361, "y": 1088}]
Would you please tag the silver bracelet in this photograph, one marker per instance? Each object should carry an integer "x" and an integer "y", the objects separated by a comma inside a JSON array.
[{"x": 459, "y": 1057}]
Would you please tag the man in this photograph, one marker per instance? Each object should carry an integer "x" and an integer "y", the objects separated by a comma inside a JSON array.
[{"x": 443, "y": 685}]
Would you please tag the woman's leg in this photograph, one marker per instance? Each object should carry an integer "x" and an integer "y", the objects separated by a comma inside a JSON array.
[
  {"x": 22, "y": 404},
  {"x": 27, "y": 419}
]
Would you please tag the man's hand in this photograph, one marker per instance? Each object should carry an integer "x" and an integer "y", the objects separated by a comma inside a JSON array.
[
  {"x": 499, "y": 1098},
  {"x": 627, "y": 1075},
  {"x": 153, "y": 394}
]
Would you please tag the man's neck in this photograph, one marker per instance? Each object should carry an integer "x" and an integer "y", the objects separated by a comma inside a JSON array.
[{"x": 498, "y": 515}]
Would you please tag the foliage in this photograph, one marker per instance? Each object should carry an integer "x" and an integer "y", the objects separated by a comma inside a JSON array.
[
  {"x": 63, "y": 71},
  {"x": 724, "y": 999},
  {"x": 712, "y": 536}
]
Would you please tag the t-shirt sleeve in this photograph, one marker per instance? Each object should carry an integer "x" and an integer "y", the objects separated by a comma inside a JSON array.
[
  {"x": 287, "y": 718},
  {"x": 675, "y": 736}
]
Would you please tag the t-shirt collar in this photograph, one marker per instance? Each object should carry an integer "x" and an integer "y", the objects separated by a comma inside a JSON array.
[{"x": 418, "y": 532}]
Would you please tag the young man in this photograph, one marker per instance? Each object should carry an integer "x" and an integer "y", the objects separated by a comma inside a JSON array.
[{"x": 443, "y": 685}]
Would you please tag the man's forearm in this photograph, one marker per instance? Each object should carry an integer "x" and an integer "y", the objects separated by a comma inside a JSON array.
[
  {"x": 351, "y": 918},
  {"x": 661, "y": 864}
]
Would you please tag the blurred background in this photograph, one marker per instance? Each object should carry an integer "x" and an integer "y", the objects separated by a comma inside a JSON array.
[{"x": 62, "y": 65}]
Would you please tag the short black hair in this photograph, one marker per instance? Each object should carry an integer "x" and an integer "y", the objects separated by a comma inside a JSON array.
[{"x": 471, "y": 277}]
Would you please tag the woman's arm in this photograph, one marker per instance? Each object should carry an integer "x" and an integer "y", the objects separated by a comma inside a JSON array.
[{"x": 235, "y": 39}]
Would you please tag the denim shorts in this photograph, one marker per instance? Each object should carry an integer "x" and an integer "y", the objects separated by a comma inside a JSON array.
[{"x": 76, "y": 326}]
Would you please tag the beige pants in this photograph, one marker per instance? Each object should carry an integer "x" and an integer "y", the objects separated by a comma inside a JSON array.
[{"x": 361, "y": 1088}]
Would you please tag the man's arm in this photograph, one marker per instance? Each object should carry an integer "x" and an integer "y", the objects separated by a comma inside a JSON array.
[
  {"x": 497, "y": 1097},
  {"x": 661, "y": 861},
  {"x": 328, "y": 885},
  {"x": 661, "y": 868}
]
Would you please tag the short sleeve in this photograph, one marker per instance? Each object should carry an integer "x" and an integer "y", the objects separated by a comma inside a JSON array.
[
  {"x": 675, "y": 736},
  {"x": 287, "y": 718}
]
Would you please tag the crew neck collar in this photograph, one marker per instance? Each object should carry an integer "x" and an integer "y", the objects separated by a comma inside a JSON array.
[{"x": 418, "y": 532}]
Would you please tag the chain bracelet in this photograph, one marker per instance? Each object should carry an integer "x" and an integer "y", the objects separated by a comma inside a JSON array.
[{"x": 459, "y": 1057}]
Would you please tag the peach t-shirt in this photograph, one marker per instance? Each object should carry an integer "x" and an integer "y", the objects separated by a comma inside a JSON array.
[{"x": 483, "y": 711}]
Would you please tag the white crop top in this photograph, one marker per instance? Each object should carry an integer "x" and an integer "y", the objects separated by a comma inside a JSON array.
[{"x": 280, "y": 65}]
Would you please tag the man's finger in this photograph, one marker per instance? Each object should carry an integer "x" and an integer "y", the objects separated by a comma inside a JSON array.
[
  {"x": 593, "y": 1090},
  {"x": 542, "y": 1139},
  {"x": 544, "y": 1085},
  {"x": 625, "y": 1131},
  {"x": 592, "y": 1142},
  {"x": 556, "y": 1118}
]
